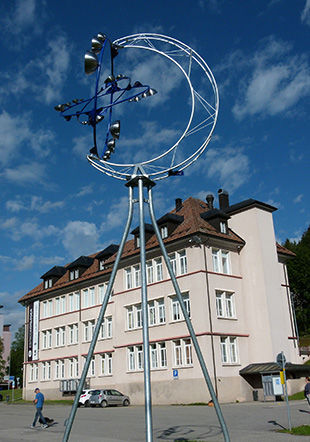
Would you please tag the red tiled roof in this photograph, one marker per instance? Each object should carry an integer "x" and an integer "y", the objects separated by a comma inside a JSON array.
[
  {"x": 192, "y": 224},
  {"x": 284, "y": 251}
]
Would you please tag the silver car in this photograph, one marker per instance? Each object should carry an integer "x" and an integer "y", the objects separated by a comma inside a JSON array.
[{"x": 103, "y": 398}]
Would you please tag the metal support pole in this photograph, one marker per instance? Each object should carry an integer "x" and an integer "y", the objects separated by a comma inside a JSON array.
[
  {"x": 188, "y": 322},
  {"x": 70, "y": 420},
  {"x": 145, "y": 325}
]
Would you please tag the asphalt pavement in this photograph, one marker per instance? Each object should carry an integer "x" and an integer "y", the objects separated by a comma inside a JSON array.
[{"x": 246, "y": 422}]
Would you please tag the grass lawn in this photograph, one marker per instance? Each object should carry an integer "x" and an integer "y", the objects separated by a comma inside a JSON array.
[
  {"x": 18, "y": 398},
  {"x": 302, "y": 430}
]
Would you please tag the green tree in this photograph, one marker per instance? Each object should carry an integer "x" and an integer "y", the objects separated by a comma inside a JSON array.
[
  {"x": 17, "y": 354},
  {"x": 299, "y": 277},
  {"x": 2, "y": 361}
]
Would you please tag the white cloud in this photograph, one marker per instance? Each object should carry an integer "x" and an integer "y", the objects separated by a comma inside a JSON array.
[
  {"x": 80, "y": 238},
  {"x": 272, "y": 80},
  {"x": 298, "y": 198},
  {"x": 22, "y": 17},
  {"x": 16, "y": 132},
  {"x": 25, "y": 263},
  {"x": 15, "y": 205},
  {"x": 41, "y": 206},
  {"x": 25, "y": 173},
  {"x": 18, "y": 229},
  {"x": 81, "y": 145},
  {"x": 305, "y": 15},
  {"x": 116, "y": 215},
  {"x": 86, "y": 190},
  {"x": 229, "y": 166}
]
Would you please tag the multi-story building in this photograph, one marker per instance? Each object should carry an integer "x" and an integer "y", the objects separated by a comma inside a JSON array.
[{"x": 233, "y": 279}]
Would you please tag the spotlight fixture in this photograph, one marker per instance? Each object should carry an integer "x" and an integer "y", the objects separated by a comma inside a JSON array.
[
  {"x": 150, "y": 92},
  {"x": 99, "y": 118},
  {"x": 93, "y": 151},
  {"x": 137, "y": 84},
  {"x": 67, "y": 117},
  {"x": 90, "y": 62},
  {"x": 109, "y": 79},
  {"x": 115, "y": 129},
  {"x": 120, "y": 77},
  {"x": 111, "y": 145},
  {"x": 76, "y": 101},
  {"x": 60, "y": 107},
  {"x": 96, "y": 45},
  {"x": 102, "y": 37}
]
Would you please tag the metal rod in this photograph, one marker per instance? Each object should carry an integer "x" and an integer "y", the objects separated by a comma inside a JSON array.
[
  {"x": 188, "y": 322},
  {"x": 70, "y": 420},
  {"x": 145, "y": 325}
]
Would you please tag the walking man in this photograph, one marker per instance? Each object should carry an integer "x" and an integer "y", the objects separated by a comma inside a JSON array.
[
  {"x": 39, "y": 401},
  {"x": 307, "y": 390}
]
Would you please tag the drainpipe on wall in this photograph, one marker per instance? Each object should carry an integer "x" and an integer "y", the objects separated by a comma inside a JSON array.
[{"x": 290, "y": 307}]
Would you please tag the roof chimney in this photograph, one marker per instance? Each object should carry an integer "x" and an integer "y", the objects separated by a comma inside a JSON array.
[
  {"x": 178, "y": 204},
  {"x": 223, "y": 199},
  {"x": 210, "y": 199}
]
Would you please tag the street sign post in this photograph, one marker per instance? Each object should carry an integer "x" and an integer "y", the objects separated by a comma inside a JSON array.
[{"x": 281, "y": 361}]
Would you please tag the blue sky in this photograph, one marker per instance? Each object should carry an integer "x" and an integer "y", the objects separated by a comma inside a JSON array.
[{"x": 56, "y": 207}]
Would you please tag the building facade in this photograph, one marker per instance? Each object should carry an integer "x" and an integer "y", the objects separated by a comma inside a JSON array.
[{"x": 233, "y": 278}]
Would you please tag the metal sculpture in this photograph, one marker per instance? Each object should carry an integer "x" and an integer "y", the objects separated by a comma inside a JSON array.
[{"x": 141, "y": 175}]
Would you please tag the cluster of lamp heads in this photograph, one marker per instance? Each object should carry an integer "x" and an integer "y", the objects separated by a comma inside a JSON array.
[{"x": 91, "y": 64}]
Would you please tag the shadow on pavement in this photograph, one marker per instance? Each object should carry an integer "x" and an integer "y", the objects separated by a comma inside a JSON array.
[{"x": 184, "y": 433}]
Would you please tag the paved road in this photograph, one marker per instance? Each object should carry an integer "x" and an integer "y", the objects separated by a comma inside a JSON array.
[{"x": 247, "y": 422}]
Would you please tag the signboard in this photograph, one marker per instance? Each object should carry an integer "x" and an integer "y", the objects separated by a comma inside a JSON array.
[
  {"x": 175, "y": 373},
  {"x": 277, "y": 386},
  {"x": 281, "y": 360},
  {"x": 33, "y": 331},
  {"x": 35, "y": 335}
]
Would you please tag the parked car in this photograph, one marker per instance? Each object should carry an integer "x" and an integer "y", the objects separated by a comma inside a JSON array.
[
  {"x": 84, "y": 398},
  {"x": 103, "y": 398}
]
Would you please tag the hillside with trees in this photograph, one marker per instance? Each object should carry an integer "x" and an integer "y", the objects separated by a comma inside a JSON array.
[{"x": 299, "y": 278}]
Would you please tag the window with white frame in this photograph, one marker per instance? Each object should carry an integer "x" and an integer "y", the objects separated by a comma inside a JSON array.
[
  {"x": 47, "y": 308},
  {"x": 59, "y": 369},
  {"x": 149, "y": 272},
  {"x": 178, "y": 261},
  {"x": 134, "y": 316},
  {"x": 135, "y": 357},
  {"x": 106, "y": 328},
  {"x": 46, "y": 371},
  {"x": 92, "y": 366},
  {"x": 136, "y": 276},
  {"x": 176, "y": 312},
  {"x": 106, "y": 364},
  {"x": 60, "y": 305},
  {"x": 101, "y": 264},
  {"x": 60, "y": 337},
  {"x": 158, "y": 355},
  {"x": 221, "y": 261},
  {"x": 33, "y": 372},
  {"x": 73, "y": 333},
  {"x": 74, "y": 274},
  {"x": 229, "y": 350},
  {"x": 128, "y": 278},
  {"x": 158, "y": 269},
  {"x": 157, "y": 313},
  {"x": 102, "y": 288},
  {"x": 74, "y": 301},
  {"x": 88, "y": 296},
  {"x": 46, "y": 339},
  {"x": 225, "y": 304},
  {"x": 89, "y": 327},
  {"x": 223, "y": 227},
  {"x": 73, "y": 368},
  {"x": 48, "y": 283},
  {"x": 182, "y": 352},
  {"x": 164, "y": 232}
]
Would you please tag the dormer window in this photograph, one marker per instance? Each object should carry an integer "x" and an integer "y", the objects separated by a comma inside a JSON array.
[
  {"x": 74, "y": 274},
  {"x": 223, "y": 227},
  {"x": 48, "y": 283},
  {"x": 164, "y": 232},
  {"x": 101, "y": 264}
]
